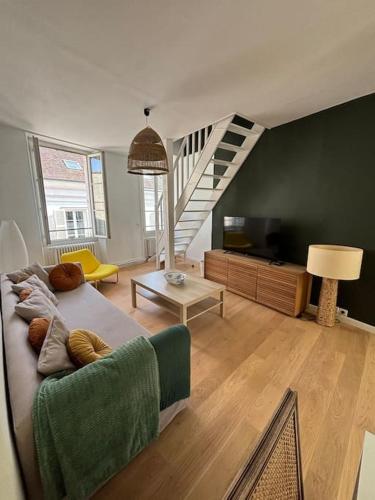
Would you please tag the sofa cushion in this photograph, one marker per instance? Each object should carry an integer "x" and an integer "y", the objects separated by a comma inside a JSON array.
[
  {"x": 36, "y": 306},
  {"x": 37, "y": 332},
  {"x": 54, "y": 356},
  {"x": 26, "y": 272},
  {"x": 66, "y": 277},
  {"x": 35, "y": 283},
  {"x": 85, "y": 347}
]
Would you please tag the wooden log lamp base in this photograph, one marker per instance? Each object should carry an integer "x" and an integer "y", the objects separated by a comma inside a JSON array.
[{"x": 326, "y": 315}]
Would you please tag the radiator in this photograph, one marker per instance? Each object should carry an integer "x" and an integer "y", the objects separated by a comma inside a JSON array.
[
  {"x": 53, "y": 253},
  {"x": 150, "y": 247}
]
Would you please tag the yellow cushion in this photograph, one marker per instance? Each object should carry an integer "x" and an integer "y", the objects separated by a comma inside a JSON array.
[
  {"x": 87, "y": 260},
  {"x": 103, "y": 271},
  {"x": 84, "y": 347}
]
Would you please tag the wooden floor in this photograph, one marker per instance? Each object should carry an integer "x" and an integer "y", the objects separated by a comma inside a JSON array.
[{"x": 241, "y": 366}]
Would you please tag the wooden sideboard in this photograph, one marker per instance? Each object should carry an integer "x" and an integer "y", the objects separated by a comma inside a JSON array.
[{"x": 285, "y": 288}]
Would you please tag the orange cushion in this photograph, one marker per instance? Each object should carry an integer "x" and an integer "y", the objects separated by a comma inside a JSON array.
[
  {"x": 24, "y": 294},
  {"x": 37, "y": 332},
  {"x": 65, "y": 277},
  {"x": 84, "y": 347}
]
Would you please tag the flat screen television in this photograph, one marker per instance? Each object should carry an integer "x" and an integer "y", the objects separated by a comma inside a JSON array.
[{"x": 253, "y": 236}]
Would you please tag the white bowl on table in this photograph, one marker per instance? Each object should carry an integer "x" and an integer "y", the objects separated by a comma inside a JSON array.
[{"x": 175, "y": 277}]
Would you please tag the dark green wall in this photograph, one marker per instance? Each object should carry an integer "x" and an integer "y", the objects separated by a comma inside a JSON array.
[{"x": 318, "y": 175}]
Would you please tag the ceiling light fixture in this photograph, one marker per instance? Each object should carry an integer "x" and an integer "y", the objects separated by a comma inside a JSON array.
[{"x": 147, "y": 155}]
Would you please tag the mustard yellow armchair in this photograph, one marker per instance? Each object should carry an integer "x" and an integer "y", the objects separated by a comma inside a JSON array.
[{"x": 93, "y": 269}]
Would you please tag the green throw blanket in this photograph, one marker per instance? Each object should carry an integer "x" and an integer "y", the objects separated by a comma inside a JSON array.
[
  {"x": 90, "y": 423},
  {"x": 172, "y": 347}
]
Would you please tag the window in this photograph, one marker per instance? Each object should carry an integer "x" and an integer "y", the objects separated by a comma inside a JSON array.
[
  {"x": 73, "y": 164},
  {"x": 71, "y": 192},
  {"x": 97, "y": 185},
  {"x": 152, "y": 185},
  {"x": 75, "y": 224}
]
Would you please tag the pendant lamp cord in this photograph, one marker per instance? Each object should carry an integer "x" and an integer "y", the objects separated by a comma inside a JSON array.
[{"x": 147, "y": 114}]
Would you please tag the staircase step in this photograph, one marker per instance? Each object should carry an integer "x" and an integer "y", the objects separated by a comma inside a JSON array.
[
  {"x": 182, "y": 237},
  {"x": 203, "y": 201},
  {"x": 190, "y": 220},
  {"x": 237, "y": 129},
  {"x": 196, "y": 211},
  {"x": 216, "y": 176},
  {"x": 230, "y": 147},
  {"x": 223, "y": 163}
]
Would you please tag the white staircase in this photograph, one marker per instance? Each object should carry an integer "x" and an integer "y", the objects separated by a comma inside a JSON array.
[{"x": 205, "y": 162}]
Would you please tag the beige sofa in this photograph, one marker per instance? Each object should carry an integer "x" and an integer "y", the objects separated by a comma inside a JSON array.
[{"x": 83, "y": 307}]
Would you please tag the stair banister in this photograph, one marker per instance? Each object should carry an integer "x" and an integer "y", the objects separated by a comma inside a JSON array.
[{"x": 208, "y": 150}]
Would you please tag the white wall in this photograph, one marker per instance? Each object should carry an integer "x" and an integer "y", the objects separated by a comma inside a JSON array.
[
  {"x": 16, "y": 190},
  {"x": 202, "y": 241},
  {"x": 17, "y": 200},
  {"x": 124, "y": 200}
]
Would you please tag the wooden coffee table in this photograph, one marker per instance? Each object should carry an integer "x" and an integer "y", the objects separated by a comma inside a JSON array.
[{"x": 195, "y": 297}]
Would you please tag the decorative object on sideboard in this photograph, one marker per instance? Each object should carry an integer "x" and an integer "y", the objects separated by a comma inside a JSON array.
[
  {"x": 147, "y": 154},
  {"x": 332, "y": 263},
  {"x": 13, "y": 251}
]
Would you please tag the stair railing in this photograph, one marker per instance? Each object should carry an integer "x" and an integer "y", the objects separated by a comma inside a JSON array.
[
  {"x": 187, "y": 156},
  {"x": 185, "y": 160}
]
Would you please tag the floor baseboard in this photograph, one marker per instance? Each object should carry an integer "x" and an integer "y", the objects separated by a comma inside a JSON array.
[
  {"x": 312, "y": 309},
  {"x": 131, "y": 262}
]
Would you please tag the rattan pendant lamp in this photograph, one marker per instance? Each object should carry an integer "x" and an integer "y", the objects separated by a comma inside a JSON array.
[{"x": 147, "y": 155}]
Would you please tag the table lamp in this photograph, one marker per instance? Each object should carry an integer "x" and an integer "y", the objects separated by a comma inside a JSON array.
[
  {"x": 332, "y": 263},
  {"x": 13, "y": 251}
]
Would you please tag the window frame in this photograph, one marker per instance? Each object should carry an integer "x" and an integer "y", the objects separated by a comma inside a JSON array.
[
  {"x": 151, "y": 232},
  {"x": 34, "y": 143},
  {"x": 91, "y": 194}
]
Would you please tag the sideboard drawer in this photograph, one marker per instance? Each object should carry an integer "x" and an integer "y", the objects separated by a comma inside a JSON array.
[
  {"x": 216, "y": 268},
  {"x": 276, "y": 275},
  {"x": 275, "y": 301},
  {"x": 242, "y": 279}
]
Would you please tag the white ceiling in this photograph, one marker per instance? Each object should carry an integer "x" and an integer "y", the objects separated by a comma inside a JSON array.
[{"x": 82, "y": 70}]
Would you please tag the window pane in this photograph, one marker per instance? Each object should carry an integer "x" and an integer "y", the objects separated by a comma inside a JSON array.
[
  {"x": 99, "y": 205},
  {"x": 96, "y": 165},
  {"x": 149, "y": 200},
  {"x": 72, "y": 164},
  {"x": 100, "y": 222},
  {"x": 66, "y": 187},
  {"x": 98, "y": 195}
]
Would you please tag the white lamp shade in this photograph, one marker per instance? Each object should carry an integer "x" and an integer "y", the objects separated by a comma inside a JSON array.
[
  {"x": 13, "y": 251},
  {"x": 334, "y": 261}
]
